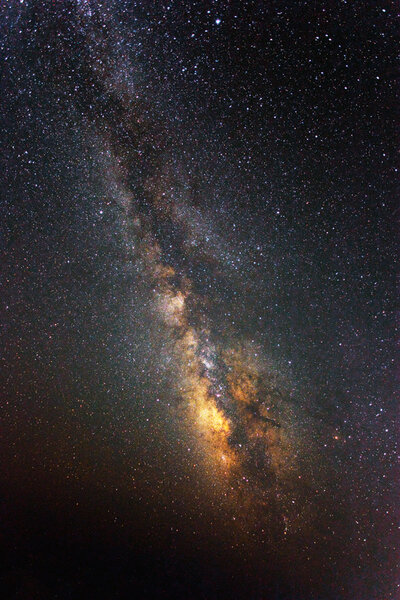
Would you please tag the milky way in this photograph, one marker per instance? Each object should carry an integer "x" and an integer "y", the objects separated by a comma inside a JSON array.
[
  {"x": 229, "y": 399},
  {"x": 199, "y": 265}
]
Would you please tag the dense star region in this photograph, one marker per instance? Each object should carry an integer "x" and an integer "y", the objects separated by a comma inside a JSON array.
[{"x": 199, "y": 243}]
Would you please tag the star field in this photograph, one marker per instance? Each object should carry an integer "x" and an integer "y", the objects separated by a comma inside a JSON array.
[{"x": 199, "y": 241}]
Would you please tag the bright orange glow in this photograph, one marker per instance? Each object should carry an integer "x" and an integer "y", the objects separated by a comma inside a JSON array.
[{"x": 213, "y": 419}]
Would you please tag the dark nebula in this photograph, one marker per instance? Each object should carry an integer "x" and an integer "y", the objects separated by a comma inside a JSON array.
[{"x": 198, "y": 292}]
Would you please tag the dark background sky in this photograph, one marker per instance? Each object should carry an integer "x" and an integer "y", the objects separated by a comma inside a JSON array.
[{"x": 273, "y": 125}]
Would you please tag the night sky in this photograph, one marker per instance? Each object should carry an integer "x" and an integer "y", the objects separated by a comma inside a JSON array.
[{"x": 199, "y": 238}]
